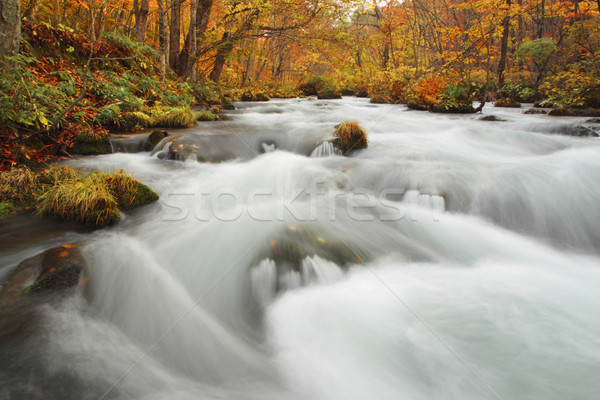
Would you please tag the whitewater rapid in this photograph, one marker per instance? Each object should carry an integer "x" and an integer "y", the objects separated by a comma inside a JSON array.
[{"x": 455, "y": 259}]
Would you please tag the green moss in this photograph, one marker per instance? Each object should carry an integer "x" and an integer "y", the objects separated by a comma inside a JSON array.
[
  {"x": 351, "y": 137},
  {"x": 413, "y": 105},
  {"x": 154, "y": 138},
  {"x": 90, "y": 142},
  {"x": 226, "y": 118},
  {"x": 255, "y": 96},
  {"x": 128, "y": 192},
  {"x": 491, "y": 118},
  {"x": 6, "y": 210},
  {"x": 227, "y": 104},
  {"x": 206, "y": 116}
]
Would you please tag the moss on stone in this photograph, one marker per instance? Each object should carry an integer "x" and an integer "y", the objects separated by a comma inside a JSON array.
[
  {"x": 453, "y": 108},
  {"x": 506, "y": 102},
  {"x": 206, "y": 116},
  {"x": 381, "y": 99},
  {"x": 89, "y": 142},
  {"x": 178, "y": 117}
]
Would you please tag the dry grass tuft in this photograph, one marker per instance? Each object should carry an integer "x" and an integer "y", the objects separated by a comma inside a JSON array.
[
  {"x": 178, "y": 117},
  {"x": 19, "y": 186},
  {"x": 88, "y": 201},
  {"x": 352, "y": 136}
]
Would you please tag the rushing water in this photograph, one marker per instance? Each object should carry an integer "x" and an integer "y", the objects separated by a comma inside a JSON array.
[{"x": 452, "y": 259}]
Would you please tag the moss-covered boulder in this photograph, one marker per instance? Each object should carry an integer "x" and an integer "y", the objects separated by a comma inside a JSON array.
[
  {"x": 329, "y": 93},
  {"x": 534, "y": 111},
  {"x": 254, "y": 96},
  {"x": 227, "y": 104},
  {"x": 491, "y": 118},
  {"x": 95, "y": 200},
  {"x": 206, "y": 116},
  {"x": 575, "y": 112},
  {"x": 351, "y": 136},
  {"x": 177, "y": 117},
  {"x": 91, "y": 142},
  {"x": 154, "y": 138},
  {"x": 416, "y": 106},
  {"x": 6, "y": 210},
  {"x": 54, "y": 270},
  {"x": 453, "y": 108},
  {"x": 87, "y": 202},
  {"x": 127, "y": 191},
  {"x": 507, "y": 102}
]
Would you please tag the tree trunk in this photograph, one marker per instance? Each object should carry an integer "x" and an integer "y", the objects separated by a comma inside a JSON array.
[
  {"x": 542, "y": 20},
  {"x": 199, "y": 15},
  {"x": 141, "y": 20},
  {"x": 222, "y": 54},
  {"x": 31, "y": 10},
  {"x": 174, "y": 33},
  {"x": 504, "y": 46},
  {"x": 10, "y": 26},
  {"x": 163, "y": 36}
]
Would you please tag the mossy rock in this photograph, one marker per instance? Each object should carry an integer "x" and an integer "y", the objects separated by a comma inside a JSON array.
[
  {"x": 351, "y": 137},
  {"x": 154, "y": 138},
  {"x": 6, "y": 210},
  {"x": 534, "y": 111},
  {"x": 134, "y": 120},
  {"x": 453, "y": 108},
  {"x": 250, "y": 96},
  {"x": 19, "y": 186},
  {"x": 347, "y": 92},
  {"x": 329, "y": 94},
  {"x": 413, "y": 105},
  {"x": 128, "y": 192},
  {"x": 90, "y": 143},
  {"x": 206, "y": 116},
  {"x": 55, "y": 270},
  {"x": 88, "y": 202},
  {"x": 179, "y": 117},
  {"x": 506, "y": 102},
  {"x": 61, "y": 269},
  {"x": 575, "y": 112},
  {"x": 381, "y": 99},
  {"x": 57, "y": 173},
  {"x": 226, "y": 118},
  {"x": 491, "y": 118},
  {"x": 227, "y": 104}
]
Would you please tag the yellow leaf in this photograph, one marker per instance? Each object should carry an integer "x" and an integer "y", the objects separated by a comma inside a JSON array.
[{"x": 43, "y": 120}]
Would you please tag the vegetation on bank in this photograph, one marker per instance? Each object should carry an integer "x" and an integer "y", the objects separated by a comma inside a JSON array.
[{"x": 94, "y": 199}]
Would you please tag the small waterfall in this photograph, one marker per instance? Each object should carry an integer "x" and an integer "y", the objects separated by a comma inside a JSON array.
[{"x": 325, "y": 149}]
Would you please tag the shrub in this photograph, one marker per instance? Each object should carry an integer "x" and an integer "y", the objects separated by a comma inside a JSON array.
[
  {"x": 381, "y": 99},
  {"x": 351, "y": 137}
]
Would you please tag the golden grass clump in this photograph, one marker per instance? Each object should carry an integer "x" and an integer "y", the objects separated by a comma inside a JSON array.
[
  {"x": 178, "y": 117},
  {"x": 87, "y": 201},
  {"x": 19, "y": 186},
  {"x": 352, "y": 136},
  {"x": 91, "y": 142},
  {"x": 57, "y": 173}
]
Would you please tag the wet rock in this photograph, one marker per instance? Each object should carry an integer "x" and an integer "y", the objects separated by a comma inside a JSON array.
[
  {"x": 57, "y": 269},
  {"x": 574, "y": 112},
  {"x": 491, "y": 118},
  {"x": 533, "y": 111},
  {"x": 91, "y": 143},
  {"x": 381, "y": 99},
  {"x": 579, "y": 131},
  {"x": 155, "y": 138}
]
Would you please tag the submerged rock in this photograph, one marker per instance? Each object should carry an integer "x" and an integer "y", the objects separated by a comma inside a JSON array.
[
  {"x": 532, "y": 111},
  {"x": 491, "y": 118},
  {"x": 57, "y": 269}
]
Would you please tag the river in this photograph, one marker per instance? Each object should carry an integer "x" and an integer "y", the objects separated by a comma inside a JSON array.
[{"x": 453, "y": 258}]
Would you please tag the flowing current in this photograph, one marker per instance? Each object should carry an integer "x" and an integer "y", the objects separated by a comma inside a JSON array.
[{"x": 453, "y": 258}]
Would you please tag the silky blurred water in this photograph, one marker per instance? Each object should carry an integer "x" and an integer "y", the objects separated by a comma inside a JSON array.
[{"x": 473, "y": 272}]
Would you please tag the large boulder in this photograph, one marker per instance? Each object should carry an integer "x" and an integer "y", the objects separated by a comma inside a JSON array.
[
  {"x": 57, "y": 269},
  {"x": 351, "y": 137}
]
